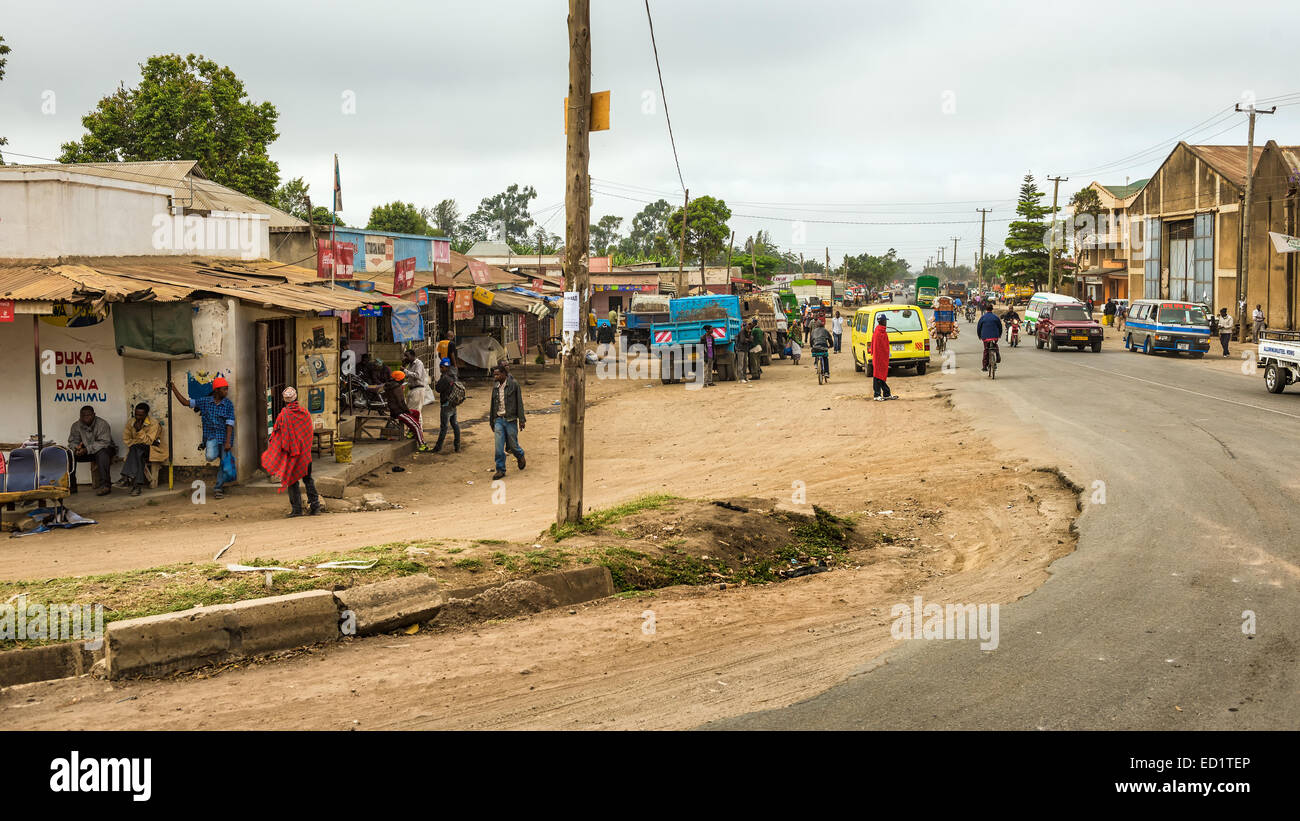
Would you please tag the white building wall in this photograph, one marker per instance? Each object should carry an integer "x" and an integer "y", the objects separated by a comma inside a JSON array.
[{"x": 50, "y": 214}]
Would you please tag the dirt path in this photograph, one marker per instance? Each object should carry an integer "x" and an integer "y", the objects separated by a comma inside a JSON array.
[{"x": 984, "y": 529}]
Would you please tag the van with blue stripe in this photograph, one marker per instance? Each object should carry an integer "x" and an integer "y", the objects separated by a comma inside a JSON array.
[{"x": 1167, "y": 325}]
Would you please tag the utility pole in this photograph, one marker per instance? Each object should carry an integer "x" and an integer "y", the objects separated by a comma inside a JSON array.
[
  {"x": 801, "y": 265},
  {"x": 1051, "y": 248},
  {"x": 681, "y": 257},
  {"x": 980, "y": 262},
  {"x": 954, "y": 250},
  {"x": 730, "y": 245},
  {"x": 577, "y": 202},
  {"x": 1244, "y": 272}
]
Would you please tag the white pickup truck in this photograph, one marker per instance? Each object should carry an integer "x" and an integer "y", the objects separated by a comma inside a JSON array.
[{"x": 1279, "y": 356}]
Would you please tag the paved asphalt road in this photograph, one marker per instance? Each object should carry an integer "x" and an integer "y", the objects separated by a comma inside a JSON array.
[{"x": 1202, "y": 479}]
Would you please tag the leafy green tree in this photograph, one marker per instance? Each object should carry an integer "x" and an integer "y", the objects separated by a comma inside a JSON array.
[
  {"x": 650, "y": 238},
  {"x": 3, "y": 51},
  {"x": 400, "y": 218},
  {"x": 444, "y": 218},
  {"x": 323, "y": 216},
  {"x": 507, "y": 210},
  {"x": 1087, "y": 208},
  {"x": 185, "y": 108},
  {"x": 1025, "y": 262},
  {"x": 291, "y": 198},
  {"x": 876, "y": 271},
  {"x": 604, "y": 234},
  {"x": 706, "y": 228}
]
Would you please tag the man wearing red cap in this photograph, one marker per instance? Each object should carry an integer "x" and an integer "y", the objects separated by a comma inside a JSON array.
[{"x": 217, "y": 413}]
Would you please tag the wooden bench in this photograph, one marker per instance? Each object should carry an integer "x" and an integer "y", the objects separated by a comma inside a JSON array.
[{"x": 375, "y": 427}]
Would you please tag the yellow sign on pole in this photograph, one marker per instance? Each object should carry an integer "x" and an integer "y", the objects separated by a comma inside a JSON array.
[{"x": 599, "y": 112}]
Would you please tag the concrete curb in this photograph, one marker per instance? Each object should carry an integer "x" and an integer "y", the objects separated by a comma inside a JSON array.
[
  {"x": 51, "y": 661},
  {"x": 175, "y": 642}
]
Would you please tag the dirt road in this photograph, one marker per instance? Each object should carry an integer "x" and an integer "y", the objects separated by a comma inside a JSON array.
[{"x": 985, "y": 529}]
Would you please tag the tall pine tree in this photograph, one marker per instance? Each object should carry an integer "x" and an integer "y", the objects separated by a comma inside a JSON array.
[{"x": 1026, "y": 260}]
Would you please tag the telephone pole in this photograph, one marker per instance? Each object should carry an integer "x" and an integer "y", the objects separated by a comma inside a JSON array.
[
  {"x": 681, "y": 256},
  {"x": 980, "y": 261},
  {"x": 1244, "y": 272},
  {"x": 954, "y": 250},
  {"x": 577, "y": 202},
  {"x": 1051, "y": 248}
]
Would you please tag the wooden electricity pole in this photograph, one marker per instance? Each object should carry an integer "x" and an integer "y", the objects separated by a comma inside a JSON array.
[
  {"x": 1244, "y": 273},
  {"x": 1051, "y": 247},
  {"x": 681, "y": 256},
  {"x": 577, "y": 206},
  {"x": 983, "y": 212},
  {"x": 954, "y": 250}
]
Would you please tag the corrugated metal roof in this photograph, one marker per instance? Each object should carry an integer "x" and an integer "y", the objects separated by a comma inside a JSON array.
[
  {"x": 1228, "y": 160},
  {"x": 165, "y": 279},
  {"x": 190, "y": 186},
  {"x": 1121, "y": 192}
]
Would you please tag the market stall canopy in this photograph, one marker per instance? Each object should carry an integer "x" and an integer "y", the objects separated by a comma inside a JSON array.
[
  {"x": 154, "y": 330},
  {"x": 35, "y": 286}
]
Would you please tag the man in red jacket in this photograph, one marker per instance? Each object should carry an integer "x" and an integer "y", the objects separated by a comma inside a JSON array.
[{"x": 880, "y": 359}]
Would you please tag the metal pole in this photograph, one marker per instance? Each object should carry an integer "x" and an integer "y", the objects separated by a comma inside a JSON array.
[
  {"x": 1051, "y": 249},
  {"x": 1244, "y": 273},
  {"x": 36, "y": 343},
  {"x": 171, "y": 459},
  {"x": 681, "y": 256}
]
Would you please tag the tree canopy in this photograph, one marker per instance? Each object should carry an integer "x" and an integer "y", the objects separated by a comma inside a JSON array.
[
  {"x": 399, "y": 218},
  {"x": 504, "y": 216},
  {"x": 3, "y": 51},
  {"x": 604, "y": 235},
  {"x": 185, "y": 108},
  {"x": 1025, "y": 262},
  {"x": 706, "y": 228},
  {"x": 876, "y": 271},
  {"x": 444, "y": 218}
]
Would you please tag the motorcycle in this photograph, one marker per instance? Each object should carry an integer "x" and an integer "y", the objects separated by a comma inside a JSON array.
[
  {"x": 970, "y": 312},
  {"x": 1014, "y": 334},
  {"x": 357, "y": 397}
]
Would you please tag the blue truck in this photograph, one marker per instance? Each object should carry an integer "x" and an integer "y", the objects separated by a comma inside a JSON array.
[
  {"x": 641, "y": 315},
  {"x": 675, "y": 342}
]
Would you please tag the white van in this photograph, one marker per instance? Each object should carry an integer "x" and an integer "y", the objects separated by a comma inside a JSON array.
[{"x": 1037, "y": 301}]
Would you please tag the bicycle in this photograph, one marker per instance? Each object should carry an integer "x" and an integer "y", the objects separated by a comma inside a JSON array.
[
  {"x": 991, "y": 352},
  {"x": 822, "y": 364}
]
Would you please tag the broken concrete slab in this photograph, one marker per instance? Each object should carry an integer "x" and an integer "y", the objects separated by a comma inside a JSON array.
[{"x": 391, "y": 604}]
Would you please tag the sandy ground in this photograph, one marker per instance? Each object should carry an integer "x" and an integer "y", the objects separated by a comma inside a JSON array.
[{"x": 974, "y": 527}]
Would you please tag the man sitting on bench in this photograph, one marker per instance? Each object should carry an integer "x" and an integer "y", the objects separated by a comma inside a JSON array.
[
  {"x": 91, "y": 440},
  {"x": 142, "y": 438}
]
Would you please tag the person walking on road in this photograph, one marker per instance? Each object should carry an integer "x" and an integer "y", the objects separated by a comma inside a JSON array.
[
  {"x": 446, "y": 408},
  {"x": 755, "y": 350},
  {"x": 880, "y": 360},
  {"x": 837, "y": 329},
  {"x": 742, "y": 352},
  {"x": 288, "y": 454},
  {"x": 1108, "y": 312},
  {"x": 1257, "y": 322},
  {"x": 217, "y": 414},
  {"x": 989, "y": 328},
  {"x": 1225, "y": 329},
  {"x": 507, "y": 414}
]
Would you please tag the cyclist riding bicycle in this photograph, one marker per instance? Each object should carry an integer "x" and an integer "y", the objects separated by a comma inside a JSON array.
[
  {"x": 989, "y": 330},
  {"x": 820, "y": 341}
]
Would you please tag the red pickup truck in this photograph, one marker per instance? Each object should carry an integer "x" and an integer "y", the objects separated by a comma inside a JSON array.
[{"x": 1067, "y": 323}]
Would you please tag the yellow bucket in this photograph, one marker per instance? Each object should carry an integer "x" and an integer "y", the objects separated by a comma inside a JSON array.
[{"x": 343, "y": 452}]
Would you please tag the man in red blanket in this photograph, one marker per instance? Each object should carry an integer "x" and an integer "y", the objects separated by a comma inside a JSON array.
[
  {"x": 288, "y": 455},
  {"x": 880, "y": 359}
]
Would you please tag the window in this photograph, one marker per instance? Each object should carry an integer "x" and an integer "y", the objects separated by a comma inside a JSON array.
[
  {"x": 1151, "y": 267},
  {"x": 1193, "y": 315},
  {"x": 1070, "y": 313},
  {"x": 1203, "y": 285},
  {"x": 902, "y": 321}
]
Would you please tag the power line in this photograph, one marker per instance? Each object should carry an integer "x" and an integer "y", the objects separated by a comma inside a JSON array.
[{"x": 663, "y": 94}]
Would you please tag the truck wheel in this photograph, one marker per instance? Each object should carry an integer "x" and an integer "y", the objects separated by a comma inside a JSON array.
[
  {"x": 1096, "y": 346},
  {"x": 1148, "y": 348},
  {"x": 1051, "y": 345},
  {"x": 1274, "y": 378},
  {"x": 1038, "y": 343},
  {"x": 666, "y": 369},
  {"x": 921, "y": 368}
]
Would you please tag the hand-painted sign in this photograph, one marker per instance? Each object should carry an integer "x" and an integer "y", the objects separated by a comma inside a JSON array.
[
  {"x": 479, "y": 272},
  {"x": 441, "y": 250},
  {"x": 379, "y": 255},
  {"x": 464, "y": 308},
  {"x": 340, "y": 258},
  {"x": 404, "y": 275}
]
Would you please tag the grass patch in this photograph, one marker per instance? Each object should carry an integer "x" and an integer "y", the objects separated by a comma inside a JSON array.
[
  {"x": 470, "y": 564},
  {"x": 595, "y": 520}
]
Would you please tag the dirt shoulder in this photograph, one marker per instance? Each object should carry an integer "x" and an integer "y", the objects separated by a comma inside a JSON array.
[{"x": 963, "y": 526}]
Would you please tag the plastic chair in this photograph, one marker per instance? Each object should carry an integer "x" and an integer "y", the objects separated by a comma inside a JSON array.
[
  {"x": 54, "y": 465},
  {"x": 22, "y": 469}
]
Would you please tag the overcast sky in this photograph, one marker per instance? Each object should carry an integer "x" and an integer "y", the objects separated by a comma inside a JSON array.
[{"x": 793, "y": 112}]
